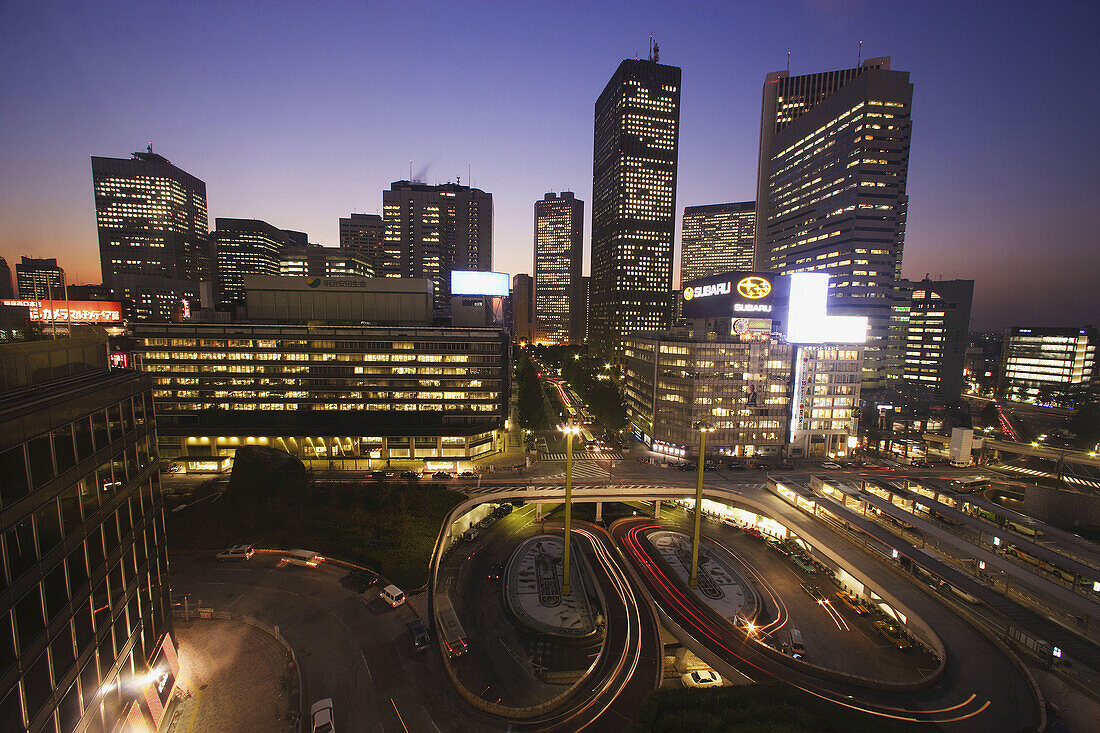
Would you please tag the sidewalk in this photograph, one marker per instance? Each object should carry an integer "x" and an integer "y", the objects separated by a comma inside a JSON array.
[{"x": 234, "y": 678}]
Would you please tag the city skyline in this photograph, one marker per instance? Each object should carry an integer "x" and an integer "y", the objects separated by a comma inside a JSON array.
[{"x": 974, "y": 211}]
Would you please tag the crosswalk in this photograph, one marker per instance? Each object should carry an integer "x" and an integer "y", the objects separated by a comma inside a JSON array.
[
  {"x": 1035, "y": 472},
  {"x": 584, "y": 470},
  {"x": 583, "y": 455}
]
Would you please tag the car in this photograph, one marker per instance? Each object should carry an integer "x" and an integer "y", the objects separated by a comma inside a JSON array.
[
  {"x": 919, "y": 463},
  {"x": 392, "y": 595},
  {"x": 702, "y": 678},
  {"x": 320, "y": 714},
  {"x": 412, "y": 475},
  {"x": 813, "y": 592},
  {"x": 441, "y": 476},
  {"x": 379, "y": 475},
  {"x": 495, "y": 571},
  {"x": 467, "y": 474},
  {"x": 735, "y": 466},
  {"x": 893, "y": 634},
  {"x": 852, "y": 602},
  {"x": 831, "y": 466},
  {"x": 687, "y": 466},
  {"x": 710, "y": 466},
  {"x": 754, "y": 532},
  {"x": 365, "y": 578},
  {"x": 237, "y": 552},
  {"x": 421, "y": 639},
  {"x": 779, "y": 547}
]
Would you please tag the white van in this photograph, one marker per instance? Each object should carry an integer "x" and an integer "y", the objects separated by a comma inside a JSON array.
[
  {"x": 392, "y": 595},
  {"x": 305, "y": 558},
  {"x": 798, "y": 650},
  {"x": 959, "y": 464}
]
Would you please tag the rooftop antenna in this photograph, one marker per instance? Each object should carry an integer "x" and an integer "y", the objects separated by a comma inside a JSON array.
[
  {"x": 469, "y": 174},
  {"x": 149, "y": 147},
  {"x": 656, "y": 52},
  {"x": 650, "y": 46},
  {"x": 859, "y": 59},
  {"x": 410, "y": 170},
  {"x": 788, "y": 62}
]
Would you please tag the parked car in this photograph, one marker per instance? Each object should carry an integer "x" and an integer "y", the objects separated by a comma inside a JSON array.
[
  {"x": 779, "y": 547},
  {"x": 893, "y": 634},
  {"x": 392, "y": 595},
  {"x": 467, "y": 474},
  {"x": 702, "y": 678},
  {"x": 831, "y": 466},
  {"x": 754, "y": 532},
  {"x": 495, "y": 571},
  {"x": 378, "y": 475},
  {"x": 413, "y": 475},
  {"x": 321, "y": 716},
  {"x": 237, "y": 552},
  {"x": 441, "y": 476},
  {"x": 421, "y": 639},
  {"x": 813, "y": 592},
  {"x": 365, "y": 578}
]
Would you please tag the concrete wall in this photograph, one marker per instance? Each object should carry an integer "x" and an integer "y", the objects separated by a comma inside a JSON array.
[{"x": 1067, "y": 509}]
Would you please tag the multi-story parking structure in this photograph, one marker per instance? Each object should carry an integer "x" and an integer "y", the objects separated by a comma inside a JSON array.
[
  {"x": 85, "y": 638},
  {"x": 335, "y": 396}
]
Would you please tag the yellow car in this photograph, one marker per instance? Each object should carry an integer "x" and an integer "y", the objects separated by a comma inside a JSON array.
[{"x": 852, "y": 602}]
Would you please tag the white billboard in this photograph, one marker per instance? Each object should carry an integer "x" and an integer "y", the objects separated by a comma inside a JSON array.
[
  {"x": 808, "y": 322},
  {"x": 479, "y": 283}
]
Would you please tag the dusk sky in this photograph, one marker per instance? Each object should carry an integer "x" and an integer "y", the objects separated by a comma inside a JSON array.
[{"x": 301, "y": 112}]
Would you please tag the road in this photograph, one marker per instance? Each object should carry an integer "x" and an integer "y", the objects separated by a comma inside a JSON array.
[
  {"x": 351, "y": 646},
  {"x": 980, "y": 690}
]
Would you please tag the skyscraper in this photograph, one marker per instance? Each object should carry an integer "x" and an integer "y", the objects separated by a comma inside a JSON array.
[
  {"x": 6, "y": 290},
  {"x": 243, "y": 247},
  {"x": 937, "y": 334},
  {"x": 834, "y": 156},
  {"x": 152, "y": 225},
  {"x": 522, "y": 302},
  {"x": 635, "y": 141},
  {"x": 432, "y": 230},
  {"x": 83, "y": 522},
  {"x": 364, "y": 234},
  {"x": 40, "y": 279},
  {"x": 717, "y": 238},
  {"x": 559, "y": 242}
]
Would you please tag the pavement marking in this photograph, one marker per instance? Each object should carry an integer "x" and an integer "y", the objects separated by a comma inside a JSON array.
[
  {"x": 195, "y": 712},
  {"x": 399, "y": 719}
]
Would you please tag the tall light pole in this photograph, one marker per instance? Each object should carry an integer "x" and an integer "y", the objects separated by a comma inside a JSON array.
[
  {"x": 570, "y": 430},
  {"x": 703, "y": 429}
]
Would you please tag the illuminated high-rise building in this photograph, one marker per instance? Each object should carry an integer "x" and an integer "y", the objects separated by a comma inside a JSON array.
[
  {"x": 937, "y": 333},
  {"x": 716, "y": 238},
  {"x": 834, "y": 157},
  {"x": 432, "y": 230},
  {"x": 363, "y": 234},
  {"x": 637, "y": 126},
  {"x": 153, "y": 229},
  {"x": 559, "y": 232},
  {"x": 522, "y": 302},
  {"x": 243, "y": 247},
  {"x": 40, "y": 279}
]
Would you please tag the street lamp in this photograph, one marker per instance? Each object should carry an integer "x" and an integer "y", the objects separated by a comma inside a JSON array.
[
  {"x": 570, "y": 430},
  {"x": 703, "y": 428}
]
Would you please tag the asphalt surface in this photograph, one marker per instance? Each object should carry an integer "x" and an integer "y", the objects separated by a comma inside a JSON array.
[{"x": 351, "y": 646}]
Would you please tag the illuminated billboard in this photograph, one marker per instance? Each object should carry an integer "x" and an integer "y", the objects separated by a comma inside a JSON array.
[
  {"x": 733, "y": 295},
  {"x": 808, "y": 322},
  {"x": 73, "y": 311},
  {"x": 479, "y": 283}
]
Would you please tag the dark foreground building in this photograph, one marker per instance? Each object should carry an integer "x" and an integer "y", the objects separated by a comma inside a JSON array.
[{"x": 84, "y": 607}]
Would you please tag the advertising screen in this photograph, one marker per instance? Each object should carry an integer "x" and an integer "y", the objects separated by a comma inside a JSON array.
[
  {"x": 732, "y": 295},
  {"x": 76, "y": 311},
  {"x": 808, "y": 322},
  {"x": 479, "y": 283}
]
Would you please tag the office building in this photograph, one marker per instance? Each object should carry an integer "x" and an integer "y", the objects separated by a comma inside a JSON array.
[
  {"x": 717, "y": 238},
  {"x": 936, "y": 335},
  {"x": 6, "y": 289},
  {"x": 635, "y": 142},
  {"x": 85, "y": 643},
  {"x": 579, "y": 326},
  {"x": 153, "y": 232},
  {"x": 433, "y": 230},
  {"x": 831, "y": 192},
  {"x": 364, "y": 235},
  {"x": 243, "y": 247},
  {"x": 559, "y": 232},
  {"x": 759, "y": 361},
  {"x": 522, "y": 305},
  {"x": 1047, "y": 365},
  {"x": 338, "y": 397},
  {"x": 374, "y": 301},
  {"x": 39, "y": 278}
]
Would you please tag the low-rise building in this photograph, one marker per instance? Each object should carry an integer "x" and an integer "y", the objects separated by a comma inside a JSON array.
[{"x": 1047, "y": 365}]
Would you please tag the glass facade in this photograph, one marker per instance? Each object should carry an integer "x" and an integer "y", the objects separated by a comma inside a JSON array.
[
  {"x": 717, "y": 238},
  {"x": 84, "y": 604},
  {"x": 559, "y": 228},
  {"x": 1036, "y": 360}
]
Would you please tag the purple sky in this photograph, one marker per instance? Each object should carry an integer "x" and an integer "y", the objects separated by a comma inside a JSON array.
[{"x": 300, "y": 112}]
